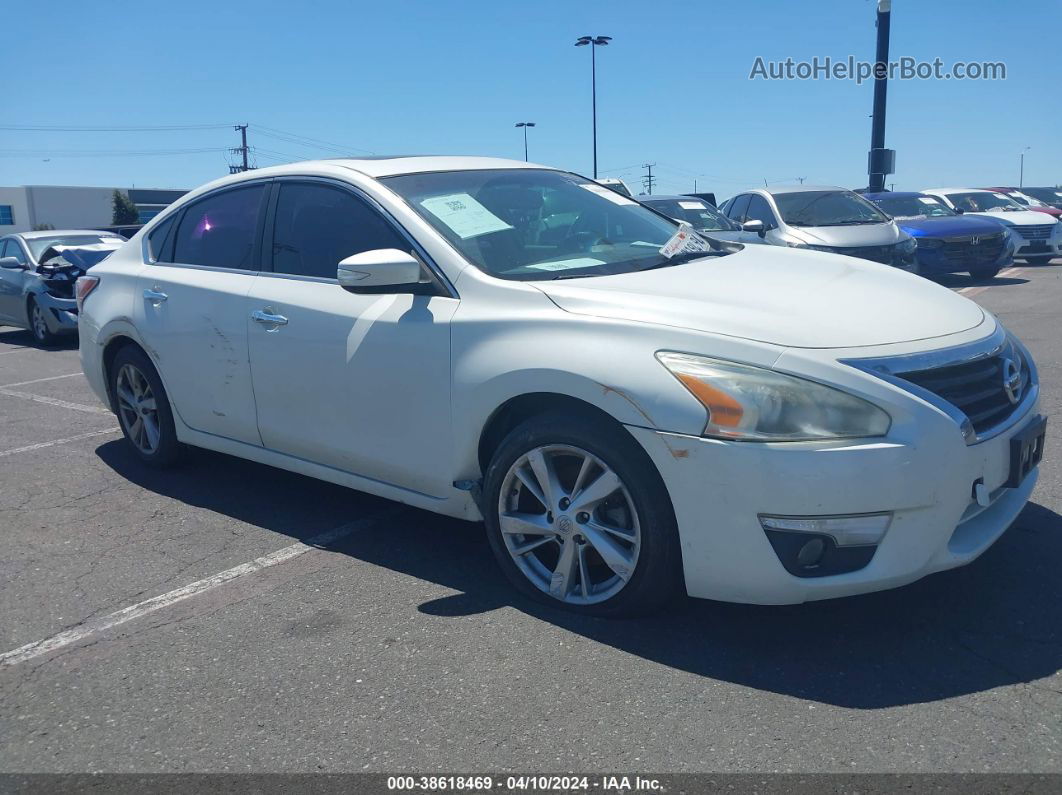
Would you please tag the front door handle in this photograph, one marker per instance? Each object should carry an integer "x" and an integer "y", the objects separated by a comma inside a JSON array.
[
  {"x": 268, "y": 319},
  {"x": 155, "y": 297}
]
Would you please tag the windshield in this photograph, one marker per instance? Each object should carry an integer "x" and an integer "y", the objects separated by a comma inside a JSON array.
[
  {"x": 38, "y": 245},
  {"x": 827, "y": 208},
  {"x": 913, "y": 206},
  {"x": 694, "y": 212},
  {"x": 1050, "y": 195},
  {"x": 983, "y": 201},
  {"x": 532, "y": 224}
]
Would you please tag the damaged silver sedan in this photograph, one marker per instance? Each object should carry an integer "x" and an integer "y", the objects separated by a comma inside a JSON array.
[{"x": 37, "y": 275}]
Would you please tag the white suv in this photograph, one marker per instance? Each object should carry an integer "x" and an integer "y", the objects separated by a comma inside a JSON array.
[
  {"x": 631, "y": 409},
  {"x": 1039, "y": 235}
]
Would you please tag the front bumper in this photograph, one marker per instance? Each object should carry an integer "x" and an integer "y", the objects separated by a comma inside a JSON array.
[
  {"x": 720, "y": 488},
  {"x": 59, "y": 313},
  {"x": 932, "y": 261},
  {"x": 1051, "y": 247}
]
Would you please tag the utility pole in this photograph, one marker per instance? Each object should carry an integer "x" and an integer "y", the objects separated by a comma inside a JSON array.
[
  {"x": 240, "y": 150},
  {"x": 648, "y": 179},
  {"x": 1021, "y": 166},
  {"x": 801, "y": 180},
  {"x": 880, "y": 161}
]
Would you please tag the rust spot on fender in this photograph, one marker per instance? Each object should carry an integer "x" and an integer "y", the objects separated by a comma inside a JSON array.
[{"x": 678, "y": 453}]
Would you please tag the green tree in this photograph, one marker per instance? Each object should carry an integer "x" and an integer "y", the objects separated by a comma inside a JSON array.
[
  {"x": 125, "y": 211},
  {"x": 43, "y": 227}
]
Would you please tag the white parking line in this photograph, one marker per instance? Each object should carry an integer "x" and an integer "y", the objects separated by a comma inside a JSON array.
[
  {"x": 66, "y": 404},
  {"x": 39, "y": 380},
  {"x": 48, "y": 645},
  {"x": 980, "y": 288},
  {"x": 15, "y": 350},
  {"x": 30, "y": 447}
]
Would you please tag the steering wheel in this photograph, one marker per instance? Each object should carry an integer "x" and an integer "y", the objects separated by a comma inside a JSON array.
[{"x": 581, "y": 241}]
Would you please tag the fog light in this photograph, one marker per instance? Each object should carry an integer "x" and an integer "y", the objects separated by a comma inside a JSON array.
[
  {"x": 846, "y": 531},
  {"x": 818, "y": 546}
]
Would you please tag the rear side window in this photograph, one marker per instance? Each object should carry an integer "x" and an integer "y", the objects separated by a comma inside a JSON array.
[
  {"x": 317, "y": 226},
  {"x": 11, "y": 248},
  {"x": 219, "y": 231},
  {"x": 158, "y": 239}
]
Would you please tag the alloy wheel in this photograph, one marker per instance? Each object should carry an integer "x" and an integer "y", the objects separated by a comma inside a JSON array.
[
  {"x": 138, "y": 409},
  {"x": 40, "y": 325},
  {"x": 569, "y": 523}
]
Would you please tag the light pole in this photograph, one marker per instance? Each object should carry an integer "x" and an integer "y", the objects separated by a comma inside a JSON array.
[
  {"x": 594, "y": 42},
  {"x": 1021, "y": 165},
  {"x": 525, "y": 125}
]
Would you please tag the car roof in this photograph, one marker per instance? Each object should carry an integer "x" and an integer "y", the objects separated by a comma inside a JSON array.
[
  {"x": 389, "y": 166},
  {"x": 63, "y": 232},
  {"x": 946, "y": 191},
  {"x": 670, "y": 198},
  {"x": 777, "y": 189},
  {"x": 899, "y": 194}
]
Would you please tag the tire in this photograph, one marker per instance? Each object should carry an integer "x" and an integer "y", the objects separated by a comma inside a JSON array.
[
  {"x": 38, "y": 326},
  {"x": 984, "y": 273},
  {"x": 1039, "y": 260},
  {"x": 139, "y": 395},
  {"x": 638, "y": 514}
]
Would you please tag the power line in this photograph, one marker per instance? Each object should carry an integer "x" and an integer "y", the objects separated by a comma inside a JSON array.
[
  {"x": 307, "y": 141},
  {"x": 63, "y": 128},
  {"x": 103, "y": 152}
]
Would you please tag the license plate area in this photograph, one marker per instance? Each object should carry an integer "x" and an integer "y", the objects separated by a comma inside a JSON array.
[{"x": 1026, "y": 451}]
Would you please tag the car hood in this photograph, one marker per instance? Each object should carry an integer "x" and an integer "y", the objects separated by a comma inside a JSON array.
[
  {"x": 948, "y": 226},
  {"x": 793, "y": 298},
  {"x": 850, "y": 236},
  {"x": 1018, "y": 217}
]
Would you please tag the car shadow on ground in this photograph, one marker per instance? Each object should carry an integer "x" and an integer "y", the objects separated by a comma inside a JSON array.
[
  {"x": 955, "y": 281},
  {"x": 996, "y": 622},
  {"x": 20, "y": 338}
]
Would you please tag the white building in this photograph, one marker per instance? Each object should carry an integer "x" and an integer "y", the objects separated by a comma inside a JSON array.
[{"x": 69, "y": 207}]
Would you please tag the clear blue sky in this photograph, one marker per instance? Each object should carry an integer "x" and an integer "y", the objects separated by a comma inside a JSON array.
[{"x": 453, "y": 77}]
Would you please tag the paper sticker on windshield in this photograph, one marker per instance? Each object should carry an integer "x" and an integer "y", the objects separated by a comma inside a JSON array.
[
  {"x": 606, "y": 193},
  {"x": 927, "y": 200},
  {"x": 685, "y": 240},
  {"x": 692, "y": 206},
  {"x": 566, "y": 264},
  {"x": 463, "y": 214}
]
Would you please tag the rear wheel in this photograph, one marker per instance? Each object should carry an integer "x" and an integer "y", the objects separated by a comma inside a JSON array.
[
  {"x": 578, "y": 517},
  {"x": 1039, "y": 260},
  {"x": 984, "y": 273},
  {"x": 143, "y": 408},
  {"x": 39, "y": 325}
]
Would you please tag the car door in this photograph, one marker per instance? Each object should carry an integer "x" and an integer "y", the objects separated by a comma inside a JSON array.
[
  {"x": 191, "y": 308},
  {"x": 12, "y": 282},
  {"x": 359, "y": 382}
]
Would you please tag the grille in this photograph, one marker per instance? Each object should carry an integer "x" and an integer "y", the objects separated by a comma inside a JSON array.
[
  {"x": 975, "y": 388},
  {"x": 883, "y": 254},
  {"x": 963, "y": 250},
  {"x": 1036, "y": 232}
]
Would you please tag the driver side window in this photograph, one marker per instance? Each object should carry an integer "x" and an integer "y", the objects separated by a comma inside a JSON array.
[
  {"x": 759, "y": 210},
  {"x": 318, "y": 225},
  {"x": 11, "y": 248}
]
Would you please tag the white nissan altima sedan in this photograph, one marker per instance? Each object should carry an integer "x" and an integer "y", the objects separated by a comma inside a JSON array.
[{"x": 631, "y": 409}]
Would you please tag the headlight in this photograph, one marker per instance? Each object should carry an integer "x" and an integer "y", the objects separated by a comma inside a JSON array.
[
  {"x": 907, "y": 247},
  {"x": 747, "y": 403}
]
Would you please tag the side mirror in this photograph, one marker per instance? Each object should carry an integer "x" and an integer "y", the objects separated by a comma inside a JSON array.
[
  {"x": 754, "y": 225},
  {"x": 383, "y": 267},
  {"x": 959, "y": 210},
  {"x": 11, "y": 264}
]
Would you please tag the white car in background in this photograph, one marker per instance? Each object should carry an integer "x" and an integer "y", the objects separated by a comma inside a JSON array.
[
  {"x": 1038, "y": 234},
  {"x": 633, "y": 410}
]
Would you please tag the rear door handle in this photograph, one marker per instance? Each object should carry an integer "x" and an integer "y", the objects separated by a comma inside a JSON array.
[
  {"x": 155, "y": 297},
  {"x": 268, "y": 319}
]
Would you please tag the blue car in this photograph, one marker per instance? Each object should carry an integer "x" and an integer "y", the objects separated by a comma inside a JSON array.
[{"x": 947, "y": 241}]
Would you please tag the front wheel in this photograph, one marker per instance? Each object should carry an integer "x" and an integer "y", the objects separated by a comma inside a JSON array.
[
  {"x": 39, "y": 325},
  {"x": 143, "y": 408},
  {"x": 984, "y": 273},
  {"x": 578, "y": 517}
]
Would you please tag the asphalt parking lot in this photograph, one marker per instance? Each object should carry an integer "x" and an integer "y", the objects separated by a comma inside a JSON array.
[{"x": 391, "y": 642}]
